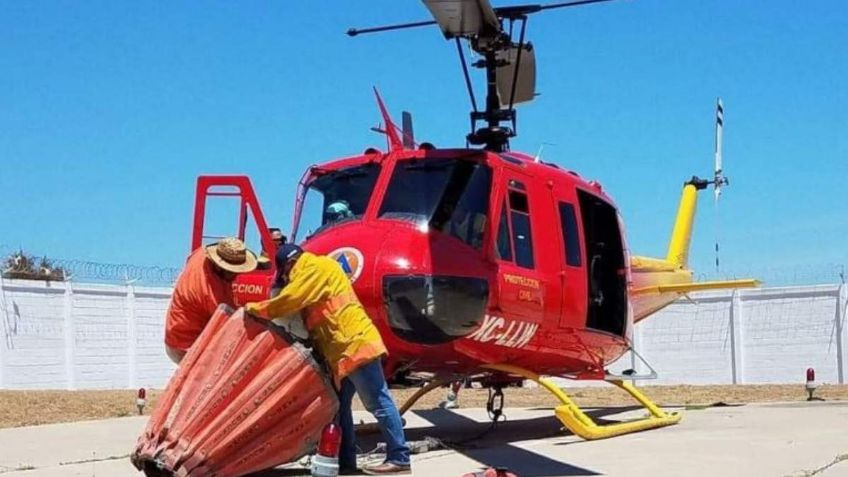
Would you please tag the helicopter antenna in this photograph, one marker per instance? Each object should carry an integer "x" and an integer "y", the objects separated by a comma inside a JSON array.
[
  {"x": 719, "y": 179},
  {"x": 408, "y": 133},
  {"x": 391, "y": 130},
  {"x": 539, "y": 153},
  {"x": 538, "y": 157},
  {"x": 510, "y": 67}
]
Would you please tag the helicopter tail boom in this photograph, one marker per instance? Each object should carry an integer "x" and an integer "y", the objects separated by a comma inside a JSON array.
[{"x": 681, "y": 235}]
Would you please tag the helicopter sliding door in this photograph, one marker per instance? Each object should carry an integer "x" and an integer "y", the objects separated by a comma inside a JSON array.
[
  {"x": 572, "y": 263},
  {"x": 606, "y": 268},
  {"x": 520, "y": 289}
]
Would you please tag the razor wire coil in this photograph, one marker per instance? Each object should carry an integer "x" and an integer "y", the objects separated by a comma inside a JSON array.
[
  {"x": 117, "y": 272},
  {"x": 22, "y": 266}
]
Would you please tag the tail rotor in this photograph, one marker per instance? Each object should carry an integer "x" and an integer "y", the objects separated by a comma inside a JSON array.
[{"x": 719, "y": 180}]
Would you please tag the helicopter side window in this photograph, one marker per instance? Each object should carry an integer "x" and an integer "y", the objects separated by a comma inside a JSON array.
[
  {"x": 338, "y": 196},
  {"x": 568, "y": 221},
  {"x": 450, "y": 195},
  {"x": 522, "y": 238}
]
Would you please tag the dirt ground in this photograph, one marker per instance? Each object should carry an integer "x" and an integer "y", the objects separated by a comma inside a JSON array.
[{"x": 27, "y": 408}]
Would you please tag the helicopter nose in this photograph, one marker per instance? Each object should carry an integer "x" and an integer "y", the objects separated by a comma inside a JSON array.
[
  {"x": 434, "y": 289},
  {"x": 434, "y": 309},
  {"x": 430, "y": 288}
]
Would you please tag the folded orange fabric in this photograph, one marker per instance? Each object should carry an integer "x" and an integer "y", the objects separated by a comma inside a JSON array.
[{"x": 245, "y": 398}]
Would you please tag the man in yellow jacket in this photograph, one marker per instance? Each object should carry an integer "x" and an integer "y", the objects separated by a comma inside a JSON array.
[{"x": 317, "y": 287}]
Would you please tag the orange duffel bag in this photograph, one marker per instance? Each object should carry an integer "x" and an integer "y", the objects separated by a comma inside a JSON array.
[{"x": 245, "y": 398}]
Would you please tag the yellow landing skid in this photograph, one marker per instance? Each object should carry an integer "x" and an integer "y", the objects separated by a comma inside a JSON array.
[{"x": 582, "y": 425}]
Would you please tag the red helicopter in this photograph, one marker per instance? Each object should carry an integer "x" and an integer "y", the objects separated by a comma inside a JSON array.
[{"x": 481, "y": 261}]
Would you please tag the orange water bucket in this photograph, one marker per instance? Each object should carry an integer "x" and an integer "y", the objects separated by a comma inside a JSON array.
[{"x": 245, "y": 398}]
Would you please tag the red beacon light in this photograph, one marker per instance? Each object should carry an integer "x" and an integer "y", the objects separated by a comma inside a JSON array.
[
  {"x": 141, "y": 400},
  {"x": 811, "y": 383},
  {"x": 492, "y": 472},
  {"x": 596, "y": 185},
  {"x": 326, "y": 461}
]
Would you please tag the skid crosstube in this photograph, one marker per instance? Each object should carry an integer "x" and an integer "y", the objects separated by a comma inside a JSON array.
[
  {"x": 372, "y": 427},
  {"x": 570, "y": 414}
]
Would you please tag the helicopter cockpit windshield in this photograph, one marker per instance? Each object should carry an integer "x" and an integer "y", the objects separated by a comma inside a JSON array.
[
  {"x": 337, "y": 196},
  {"x": 449, "y": 195}
]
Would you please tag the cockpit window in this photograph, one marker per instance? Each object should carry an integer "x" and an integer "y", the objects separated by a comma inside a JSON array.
[
  {"x": 338, "y": 196},
  {"x": 449, "y": 195}
]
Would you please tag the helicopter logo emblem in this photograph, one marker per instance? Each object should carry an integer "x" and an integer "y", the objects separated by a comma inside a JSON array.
[{"x": 351, "y": 261}]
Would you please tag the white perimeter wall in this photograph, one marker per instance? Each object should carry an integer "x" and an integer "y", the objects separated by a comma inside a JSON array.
[
  {"x": 759, "y": 336},
  {"x": 79, "y": 336}
]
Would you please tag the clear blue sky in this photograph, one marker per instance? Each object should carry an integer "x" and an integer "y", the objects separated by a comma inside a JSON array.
[{"x": 109, "y": 110}]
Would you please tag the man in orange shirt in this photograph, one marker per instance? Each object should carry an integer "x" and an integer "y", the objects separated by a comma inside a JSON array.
[{"x": 205, "y": 283}]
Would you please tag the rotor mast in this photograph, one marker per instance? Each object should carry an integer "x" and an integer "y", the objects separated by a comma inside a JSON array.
[
  {"x": 493, "y": 137},
  {"x": 510, "y": 67}
]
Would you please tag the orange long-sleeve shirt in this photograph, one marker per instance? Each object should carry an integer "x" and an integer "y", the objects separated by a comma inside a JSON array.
[{"x": 197, "y": 294}]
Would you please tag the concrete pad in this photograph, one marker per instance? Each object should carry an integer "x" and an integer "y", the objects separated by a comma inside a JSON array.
[
  {"x": 63, "y": 444},
  {"x": 763, "y": 440}
]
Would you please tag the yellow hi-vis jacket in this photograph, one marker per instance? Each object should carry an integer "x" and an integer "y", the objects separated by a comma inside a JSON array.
[{"x": 336, "y": 320}]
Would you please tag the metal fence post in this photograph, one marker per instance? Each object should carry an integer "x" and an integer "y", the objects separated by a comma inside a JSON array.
[
  {"x": 132, "y": 352},
  {"x": 4, "y": 339},
  {"x": 736, "y": 338},
  {"x": 69, "y": 332},
  {"x": 841, "y": 331}
]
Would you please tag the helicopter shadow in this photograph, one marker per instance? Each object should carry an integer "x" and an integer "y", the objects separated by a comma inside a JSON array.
[
  {"x": 495, "y": 447},
  {"x": 282, "y": 473},
  {"x": 490, "y": 447}
]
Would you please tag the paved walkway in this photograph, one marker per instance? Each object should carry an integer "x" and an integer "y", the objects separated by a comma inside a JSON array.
[{"x": 755, "y": 440}]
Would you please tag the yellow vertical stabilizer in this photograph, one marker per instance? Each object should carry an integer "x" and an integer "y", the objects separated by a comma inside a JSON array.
[{"x": 681, "y": 236}]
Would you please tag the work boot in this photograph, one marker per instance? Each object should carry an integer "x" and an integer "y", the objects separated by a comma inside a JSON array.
[
  {"x": 387, "y": 468},
  {"x": 452, "y": 401}
]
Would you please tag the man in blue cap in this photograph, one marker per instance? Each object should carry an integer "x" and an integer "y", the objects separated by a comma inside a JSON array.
[{"x": 316, "y": 288}]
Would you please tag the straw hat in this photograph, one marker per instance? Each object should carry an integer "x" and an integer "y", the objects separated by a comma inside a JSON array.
[{"x": 232, "y": 255}]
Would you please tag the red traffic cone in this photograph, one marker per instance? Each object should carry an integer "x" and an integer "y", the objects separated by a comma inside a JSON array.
[{"x": 492, "y": 472}]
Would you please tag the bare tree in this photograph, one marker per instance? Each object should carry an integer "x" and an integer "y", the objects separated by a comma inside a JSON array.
[{"x": 20, "y": 265}]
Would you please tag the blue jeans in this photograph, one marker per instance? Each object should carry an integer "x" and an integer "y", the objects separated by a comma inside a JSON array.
[{"x": 368, "y": 381}]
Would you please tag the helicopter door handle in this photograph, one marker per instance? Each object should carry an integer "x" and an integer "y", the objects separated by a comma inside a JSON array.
[
  {"x": 496, "y": 302},
  {"x": 496, "y": 298}
]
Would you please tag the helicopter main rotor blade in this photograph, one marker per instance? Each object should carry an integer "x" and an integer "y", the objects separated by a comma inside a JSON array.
[
  {"x": 516, "y": 11},
  {"x": 400, "y": 26},
  {"x": 464, "y": 18},
  {"x": 572, "y": 4}
]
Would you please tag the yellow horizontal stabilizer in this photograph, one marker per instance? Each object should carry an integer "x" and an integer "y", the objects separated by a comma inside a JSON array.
[
  {"x": 696, "y": 286},
  {"x": 647, "y": 264}
]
